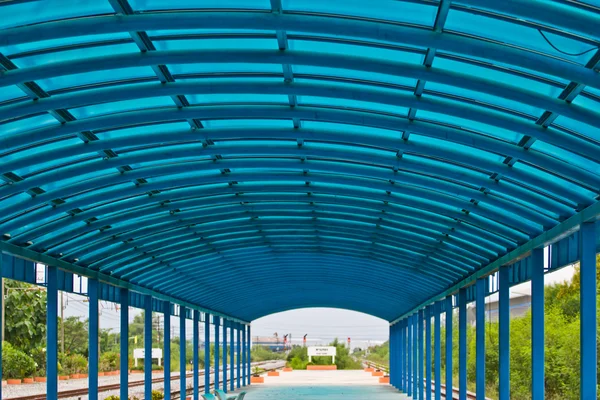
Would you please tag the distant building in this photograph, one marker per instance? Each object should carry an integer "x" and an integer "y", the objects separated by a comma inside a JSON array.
[
  {"x": 272, "y": 343},
  {"x": 520, "y": 303}
]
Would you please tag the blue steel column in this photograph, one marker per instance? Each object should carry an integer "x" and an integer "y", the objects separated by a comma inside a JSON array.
[
  {"x": 392, "y": 355},
  {"x": 504, "y": 334},
  {"x": 448, "y": 306},
  {"x": 182, "y": 361},
  {"x": 167, "y": 349},
  {"x": 231, "y": 353},
  {"x": 239, "y": 356},
  {"x": 420, "y": 355},
  {"x": 206, "y": 353},
  {"x": 588, "y": 352},
  {"x": 93, "y": 339},
  {"x": 407, "y": 360},
  {"x": 196, "y": 345},
  {"x": 409, "y": 354},
  {"x": 462, "y": 344},
  {"x": 148, "y": 347},
  {"x": 217, "y": 349},
  {"x": 428, "y": 313},
  {"x": 415, "y": 377},
  {"x": 1, "y": 324},
  {"x": 481, "y": 289},
  {"x": 124, "y": 361},
  {"x": 52, "y": 334},
  {"x": 224, "y": 355},
  {"x": 243, "y": 355},
  {"x": 249, "y": 357},
  {"x": 404, "y": 356},
  {"x": 437, "y": 350},
  {"x": 537, "y": 324}
]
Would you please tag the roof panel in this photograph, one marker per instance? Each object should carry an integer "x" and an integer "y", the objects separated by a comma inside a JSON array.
[{"x": 329, "y": 138}]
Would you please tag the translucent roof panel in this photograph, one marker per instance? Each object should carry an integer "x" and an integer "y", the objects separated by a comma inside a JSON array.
[{"x": 403, "y": 145}]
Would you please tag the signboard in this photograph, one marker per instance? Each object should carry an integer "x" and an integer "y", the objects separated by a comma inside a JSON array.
[
  {"x": 321, "y": 351},
  {"x": 140, "y": 353}
]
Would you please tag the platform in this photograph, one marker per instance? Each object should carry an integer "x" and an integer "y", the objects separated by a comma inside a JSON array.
[{"x": 323, "y": 384}]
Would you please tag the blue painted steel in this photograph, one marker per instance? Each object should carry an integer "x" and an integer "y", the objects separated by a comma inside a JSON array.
[
  {"x": 437, "y": 350},
  {"x": 420, "y": 355},
  {"x": 462, "y": 344},
  {"x": 166, "y": 306},
  {"x": 216, "y": 323},
  {"x": 2, "y": 267},
  {"x": 206, "y": 353},
  {"x": 410, "y": 346},
  {"x": 405, "y": 353},
  {"x": 124, "y": 342},
  {"x": 196, "y": 361},
  {"x": 537, "y": 324},
  {"x": 231, "y": 356},
  {"x": 239, "y": 356},
  {"x": 225, "y": 324},
  {"x": 481, "y": 288},
  {"x": 428, "y": 359},
  {"x": 588, "y": 296},
  {"x": 182, "y": 348},
  {"x": 93, "y": 315},
  {"x": 504, "y": 334},
  {"x": 148, "y": 347},
  {"x": 392, "y": 362},
  {"x": 448, "y": 308},
  {"x": 501, "y": 140},
  {"x": 249, "y": 356},
  {"x": 416, "y": 355},
  {"x": 244, "y": 354},
  {"x": 52, "y": 334}
]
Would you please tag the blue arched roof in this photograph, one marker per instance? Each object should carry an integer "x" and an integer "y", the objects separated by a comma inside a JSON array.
[{"x": 258, "y": 156}]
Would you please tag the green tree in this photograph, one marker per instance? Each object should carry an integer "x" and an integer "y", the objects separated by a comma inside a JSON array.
[
  {"x": 25, "y": 326},
  {"x": 76, "y": 335}
]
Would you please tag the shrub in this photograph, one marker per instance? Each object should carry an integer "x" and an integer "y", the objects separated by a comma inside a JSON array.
[
  {"x": 39, "y": 357},
  {"x": 75, "y": 364},
  {"x": 16, "y": 364},
  {"x": 156, "y": 395},
  {"x": 109, "y": 361}
]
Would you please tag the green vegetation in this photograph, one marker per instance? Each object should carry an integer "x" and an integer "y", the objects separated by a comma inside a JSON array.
[
  {"x": 156, "y": 395},
  {"x": 379, "y": 354},
  {"x": 15, "y": 363},
  {"x": 263, "y": 353},
  {"x": 298, "y": 357},
  {"x": 73, "y": 363}
]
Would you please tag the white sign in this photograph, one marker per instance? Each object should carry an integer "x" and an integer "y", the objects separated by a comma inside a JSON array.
[
  {"x": 140, "y": 353},
  {"x": 322, "y": 351}
]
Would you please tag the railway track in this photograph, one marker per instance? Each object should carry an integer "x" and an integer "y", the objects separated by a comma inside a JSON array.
[
  {"x": 455, "y": 391},
  {"x": 116, "y": 386}
]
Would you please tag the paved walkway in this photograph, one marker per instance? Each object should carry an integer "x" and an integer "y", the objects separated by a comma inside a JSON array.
[{"x": 343, "y": 385}]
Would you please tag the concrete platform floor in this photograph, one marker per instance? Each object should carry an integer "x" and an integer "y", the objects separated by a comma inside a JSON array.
[{"x": 343, "y": 385}]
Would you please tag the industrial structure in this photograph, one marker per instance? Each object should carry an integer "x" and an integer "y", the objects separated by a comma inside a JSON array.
[{"x": 224, "y": 160}]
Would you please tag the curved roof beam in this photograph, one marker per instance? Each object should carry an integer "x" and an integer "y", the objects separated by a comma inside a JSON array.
[
  {"x": 420, "y": 193},
  {"x": 335, "y": 172},
  {"x": 570, "y": 142},
  {"x": 345, "y": 26},
  {"x": 532, "y": 157},
  {"x": 393, "y": 68}
]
